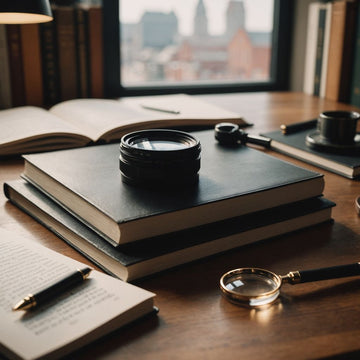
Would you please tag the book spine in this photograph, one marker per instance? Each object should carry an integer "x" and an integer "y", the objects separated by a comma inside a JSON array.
[
  {"x": 65, "y": 26},
  {"x": 340, "y": 50},
  {"x": 50, "y": 64},
  {"x": 5, "y": 85},
  {"x": 348, "y": 55},
  {"x": 95, "y": 36},
  {"x": 82, "y": 51},
  {"x": 325, "y": 55},
  {"x": 310, "y": 51},
  {"x": 31, "y": 54},
  {"x": 319, "y": 50},
  {"x": 355, "y": 85},
  {"x": 16, "y": 66}
]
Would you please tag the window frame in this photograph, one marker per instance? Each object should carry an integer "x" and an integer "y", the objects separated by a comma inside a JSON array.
[{"x": 279, "y": 70}]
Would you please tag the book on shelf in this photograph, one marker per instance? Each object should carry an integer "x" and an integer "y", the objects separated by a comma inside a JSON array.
[
  {"x": 5, "y": 84},
  {"x": 293, "y": 144},
  {"x": 232, "y": 182},
  {"x": 341, "y": 46},
  {"x": 319, "y": 50},
  {"x": 96, "y": 51},
  {"x": 317, "y": 47},
  {"x": 50, "y": 63},
  {"x": 82, "y": 46},
  {"x": 80, "y": 122},
  {"x": 32, "y": 66},
  {"x": 64, "y": 18},
  {"x": 323, "y": 56},
  {"x": 355, "y": 84},
  {"x": 56, "y": 61},
  {"x": 98, "y": 306},
  {"x": 311, "y": 44},
  {"x": 16, "y": 64},
  {"x": 145, "y": 257}
]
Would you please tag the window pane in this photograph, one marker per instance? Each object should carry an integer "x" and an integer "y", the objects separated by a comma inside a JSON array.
[{"x": 195, "y": 41}]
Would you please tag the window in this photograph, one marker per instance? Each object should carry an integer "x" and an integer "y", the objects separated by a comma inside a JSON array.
[{"x": 196, "y": 45}]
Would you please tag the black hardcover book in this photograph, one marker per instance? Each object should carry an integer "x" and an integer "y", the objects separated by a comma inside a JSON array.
[
  {"x": 232, "y": 182},
  {"x": 293, "y": 144},
  {"x": 149, "y": 256}
]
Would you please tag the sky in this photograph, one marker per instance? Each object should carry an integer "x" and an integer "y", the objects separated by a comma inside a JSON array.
[{"x": 259, "y": 13}]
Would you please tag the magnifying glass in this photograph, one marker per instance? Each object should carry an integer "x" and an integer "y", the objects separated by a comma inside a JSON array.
[
  {"x": 230, "y": 134},
  {"x": 256, "y": 287}
]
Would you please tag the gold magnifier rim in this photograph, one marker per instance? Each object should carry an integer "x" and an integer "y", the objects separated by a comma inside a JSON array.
[{"x": 234, "y": 296}]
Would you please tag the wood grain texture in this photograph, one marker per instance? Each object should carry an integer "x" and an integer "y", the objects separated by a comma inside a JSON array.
[{"x": 311, "y": 320}]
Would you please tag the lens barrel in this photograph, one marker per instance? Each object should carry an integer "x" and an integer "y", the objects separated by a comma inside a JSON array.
[{"x": 159, "y": 158}]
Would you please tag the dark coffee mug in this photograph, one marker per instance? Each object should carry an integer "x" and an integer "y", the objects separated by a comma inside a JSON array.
[{"x": 338, "y": 127}]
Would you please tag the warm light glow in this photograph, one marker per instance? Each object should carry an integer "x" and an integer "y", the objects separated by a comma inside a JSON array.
[{"x": 23, "y": 18}]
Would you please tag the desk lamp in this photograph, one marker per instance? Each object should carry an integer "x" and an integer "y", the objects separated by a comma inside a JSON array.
[{"x": 25, "y": 11}]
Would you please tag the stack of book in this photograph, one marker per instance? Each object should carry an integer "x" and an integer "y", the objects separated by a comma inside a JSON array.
[
  {"x": 42, "y": 64},
  {"x": 332, "y": 53},
  {"x": 243, "y": 196}
]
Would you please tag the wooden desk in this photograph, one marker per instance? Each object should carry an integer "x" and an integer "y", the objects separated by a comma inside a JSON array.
[{"x": 312, "y": 320}]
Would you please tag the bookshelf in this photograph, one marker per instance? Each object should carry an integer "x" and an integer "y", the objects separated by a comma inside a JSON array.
[
  {"x": 43, "y": 64},
  {"x": 332, "y": 28}
]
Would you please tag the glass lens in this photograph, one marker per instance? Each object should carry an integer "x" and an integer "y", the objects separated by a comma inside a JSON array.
[
  {"x": 158, "y": 145},
  {"x": 250, "y": 286}
]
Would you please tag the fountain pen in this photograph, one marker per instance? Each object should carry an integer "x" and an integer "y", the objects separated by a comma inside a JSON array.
[{"x": 54, "y": 290}]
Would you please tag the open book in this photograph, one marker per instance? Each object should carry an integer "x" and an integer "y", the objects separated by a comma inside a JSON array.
[
  {"x": 76, "y": 123},
  {"x": 100, "y": 305}
]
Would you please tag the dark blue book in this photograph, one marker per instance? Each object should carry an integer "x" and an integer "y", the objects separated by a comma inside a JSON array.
[{"x": 149, "y": 256}]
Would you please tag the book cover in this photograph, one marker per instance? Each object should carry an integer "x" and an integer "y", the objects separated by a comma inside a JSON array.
[
  {"x": 294, "y": 145},
  {"x": 146, "y": 257},
  {"x": 100, "y": 305},
  {"x": 232, "y": 182}
]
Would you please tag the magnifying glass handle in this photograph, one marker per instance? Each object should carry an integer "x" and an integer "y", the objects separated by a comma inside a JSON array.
[
  {"x": 259, "y": 140},
  {"x": 334, "y": 272}
]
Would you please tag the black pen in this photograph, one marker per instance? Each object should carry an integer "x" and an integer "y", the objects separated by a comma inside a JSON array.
[
  {"x": 293, "y": 128},
  {"x": 161, "y": 109},
  {"x": 52, "y": 291}
]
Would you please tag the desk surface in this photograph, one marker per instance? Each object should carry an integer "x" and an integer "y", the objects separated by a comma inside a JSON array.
[{"x": 312, "y": 320}]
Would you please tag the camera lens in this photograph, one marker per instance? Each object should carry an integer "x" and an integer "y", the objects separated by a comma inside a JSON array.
[{"x": 159, "y": 158}]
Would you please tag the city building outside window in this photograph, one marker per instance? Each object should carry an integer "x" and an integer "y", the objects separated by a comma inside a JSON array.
[{"x": 195, "y": 41}]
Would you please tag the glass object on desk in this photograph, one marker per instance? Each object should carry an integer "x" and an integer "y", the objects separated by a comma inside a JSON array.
[{"x": 255, "y": 287}]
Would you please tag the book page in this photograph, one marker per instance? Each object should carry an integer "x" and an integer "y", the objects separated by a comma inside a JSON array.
[
  {"x": 110, "y": 119},
  {"x": 96, "y": 117},
  {"x": 187, "y": 107},
  {"x": 29, "y": 122},
  {"x": 26, "y": 267}
]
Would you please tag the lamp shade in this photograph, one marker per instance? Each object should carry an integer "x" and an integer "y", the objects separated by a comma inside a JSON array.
[{"x": 24, "y": 11}]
